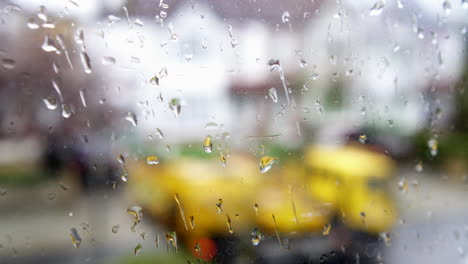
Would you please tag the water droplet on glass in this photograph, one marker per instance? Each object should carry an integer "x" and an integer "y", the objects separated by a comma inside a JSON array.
[
  {"x": 75, "y": 237},
  {"x": 222, "y": 159},
  {"x": 115, "y": 229},
  {"x": 79, "y": 37},
  {"x": 390, "y": 123},
  {"x": 83, "y": 97},
  {"x": 362, "y": 139},
  {"x": 32, "y": 24},
  {"x": 137, "y": 213},
  {"x": 66, "y": 110},
  {"x": 285, "y": 17},
  {"x": 51, "y": 196},
  {"x": 303, "y": 63},
  {"x": 314, "y": 76},
  {"x": 159, "y": 133},
  {"x": 171, "y": 240},
  {"x": 229, "y": 224},
  {"x": 274, "y": 64},
  {"x": 419, "y": 166},
  {"x": 152, "y": 160},
  {"x": 400, "y": 4},
  {"x": 138, "y": 22},
  {"x": 132, "y": 118},
  {"x": 403, "y": 185},
  {"x": 256, "y": 236},
  {"x": 3, "y": 191},
  {"x": 377, "y": 8},
  {"x": 51, "y": 102},
  {"x": 219, "y": 206},
  {"x": 266, "y": 162},
  {"x": 86, "y": 62},
  {"x": 211, "y": 125},
  {"x": 192, "y": 222},
  {"x": 433, "y": 146},
  {"x": 273, "y": 95},
  {"x": 326, "y": 229},
  {"x": 447, "y": 7},
  {"x": 49, "y": 45},
  {"x": 138, "y": 249},
  {"x": 108, "y": 60},
  {"x": 174, "y": 105},
  {"x": 8, "y": 64},
  {"x": 112, "y": 19},
  {"x": 207, "y": 144}
]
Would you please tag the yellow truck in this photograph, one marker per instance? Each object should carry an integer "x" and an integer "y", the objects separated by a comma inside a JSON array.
[{"x": 308, "y": 196}]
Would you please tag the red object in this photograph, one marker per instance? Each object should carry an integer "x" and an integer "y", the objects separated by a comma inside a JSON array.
[{"x": 207, "y": 248}]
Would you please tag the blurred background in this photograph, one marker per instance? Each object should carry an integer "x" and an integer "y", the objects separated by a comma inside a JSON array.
[{"x": 233, "y": 131}]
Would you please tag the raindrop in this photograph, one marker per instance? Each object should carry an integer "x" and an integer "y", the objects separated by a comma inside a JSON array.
[
  {"x": 66, "y": 111},
  {"x": 51, "y": 196},
  {"x": 303, "y": 63},
  {"x": 219, "y": 206},
  {"x": 32, "y": 24},
  {"x": 211, "y": 125},
  {"x": 75, "y": 237},
  {"x": 256, "y": 236},
  {"x": 171, "y": 240},
  {"x": 315, "y": 76},
  {"x": 222, "y": 159},
  {"x": 83, "y": 97},
  {"x": 152, "y": 160},
  {"x": 86, "y": 62},
  {"x": 447, "y": 7},
  {"x": 285, "y": 17},
  {"x": 403, "y": 185},
  {"x": 174, "y": 105},
  {"x": 362, "y": 139},
  {"x": 112, "y": 19},
  {"x": 386, "y": 238},
  {"x": 400, "y": 4},
  {"x": 138, "y": 249},
  {"x": 154, "y": 80},
  {"x": 377, "y": 8},
  {"x": 41, "y": 15},
  {"x": 79, "y": 37},
  {"x": 192, "y": 222},
  {"x": 266, "y": 162},
  {"x": 159, "y": 133},
  {"x": 433, "y": 146},
  {"x": 3, "y": 191},
  {"x": 137, "y": 213},
  {"x": 326, "y": 229},
  {"x": 121, "y": 159},
  {"x": 8, "y": 64},
  {"x": 390, "y": 123},
  {"x": 132, "y": 118},
  {"x": 181, "y": 210},
  {"x": 49, "y": 45},
  {"x": 115, "y": 229},
  {"x": 207, "y": 144},
  {"x": 419, "y": 166},
  {"x": 229, "y": 224},
  {"x": 163, "y": 73},
  {"x": 273, "y": 95},
  {"x": 108, "y": 60},
  {"x": 50, "y": 102},
  {"x": 274, "y": 64},
  {"x": 138, "y": 22}
]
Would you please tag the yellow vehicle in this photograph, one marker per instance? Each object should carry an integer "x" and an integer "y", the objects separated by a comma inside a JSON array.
[{"x": 199, "y": 198}]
